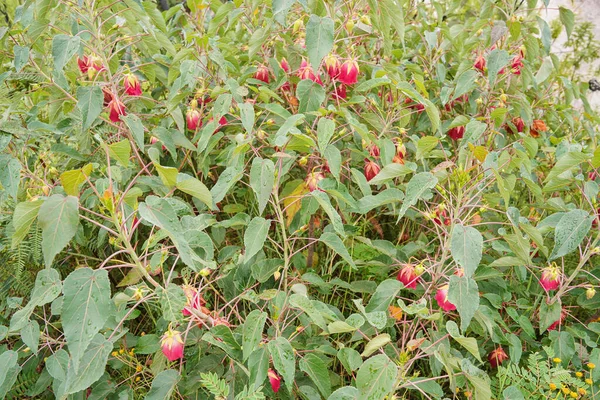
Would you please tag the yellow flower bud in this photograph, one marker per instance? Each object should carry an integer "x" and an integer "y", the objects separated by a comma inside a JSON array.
[
  {"x": 591, "y": 365},
  {"x": 578, "y": 374},
  {"x": 557, "y": 360},
  {"x": 589, "y": 381},
  {"x": 552, "y": 386}
]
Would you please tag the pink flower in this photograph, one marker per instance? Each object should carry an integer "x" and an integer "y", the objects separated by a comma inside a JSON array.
[
  {"x": 374, "y": 150},
  {"x": 442, "y": 299},
  {"x": 332, "y": 66},
  {"x": 517, "y": 64},
  {"x": 480, "y": 63},
  {"x": 306, "y": 72},
  {"x": 550, "y": 279},
  {"x": 84, "y": 64},
  {"x": 349, "y": 72},
  {"x": 262, "y": 74},
  {"x": 116, "y": 109},
  {"x": 132, "y": 85},
  {"x": 371, "y": 169},
  {"x": 274, "y": 380},
  {"x": 285, "y": 65},
  {"x": 340, "y": 93},
  {"x": 409, "y": 276},
  {"x": 456, "y": 133},
  {"x": 172, "y": 345},
  {"x": 192, "y": 117},
  {"x": 313, "y": 179},
  {"x": 194, "y": 300},
  {"x": 497, "y": 357}
]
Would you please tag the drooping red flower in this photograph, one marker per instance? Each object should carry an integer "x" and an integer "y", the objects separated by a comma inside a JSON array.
[
  {"x": 194, "y": 300},
  {"x": 497, "y": 357},
  {"x": 409, "y": 276},
  {"x": 517, "y": 64},
  {"x": 84, "y": 64},
  {"x": 349, "y": 72},
  {"x": 132, "y": 85},
  {"x": 340, "y": 93},
  {"x": 332, "y": 66},
  {"x": 537, "y": 127},
  {"x": 442, "y": 299},
  {"x": 480, "y": 63},
  {"x": 107, "y": 97},
  {"x": 456, "y": 133},
  {"x": 116, "y": 109},
  {"x": 550, "y": 279},
  {"x": 374, "y": 150},
  {"x": 285, "y": 65},
  {"x": 192, "y": 117},
  {"x": 371, "y": 169},
  {"x": 274, "y": 380},
  {"x": 306, "y": 72},
  {"x": 415, "y": 106},
  {"x": 262, "y": 74},
  {"x": 313, "y": 179},
  {"x": 172, "y": 345},
  {"x": 518, "y": 123}
]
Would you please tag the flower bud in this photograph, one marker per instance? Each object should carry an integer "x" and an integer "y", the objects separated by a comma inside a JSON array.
[
  {"x": 480, "y": 63},
  {"x": 132, "y": 85},
  {"x": 274, "y": 380},
  {"x": 83, "y": 64},
  {"x": 456, "y": 133},
  {"x": 442, "y": 299},
  {"x": 537, "y": 127},
  {"x": 590, "y": 293},
  {"x": 497, "y": 357},
  {"x": 350, "y": 26},
  {"x": 340, "y": 93},
  {"x": 332, "y": 66},
  {"x": 205, "y": 272},
  {"x": 371, "y": 169},
  {"x": 349, "y": 72},
  {"x": 172, "y": 345},
  {"x": 192, "y": 118},
  {"x": 262, "y": 74},
  {"x": 298, "y": 25},
  {"x": 116, "y": 109},
  {"x": 313, "y": 179},
  {"x": 408, "y": 276},
  {"x": 285, "y": 65},
  {"x": 550, "y": 279},
  {"x": 306, "y": 72}
]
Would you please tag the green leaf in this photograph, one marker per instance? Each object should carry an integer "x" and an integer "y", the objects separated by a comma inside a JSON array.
[
  {"x": 391, "y": 171},
  {"x": 47, "y": 287},
  {"x": 255, "y": 236},
  {"x": 23, "y": 216},
  {"x": 470, "y": 344},
  {"x": 310, "y": 94},
  {"x": 425, "y": 145},
  {"x": 464, "y": 294},
  {"x": 388, "y": 196},
  {"x": 86, "y": 307},
  {"x": 252, "y": 331},
  {"x": 71, "y": 180},
  {"x": 262, "y": 179},
  {"x": 172, "y": 301},
  {"x": 30, "y": 334},
  {"x": 335, "y": 243},
  {"x": 544, "y": 71},
  {"x": 325, "y": 131},
  {"x": 10, "y": 174},
  {"x": 370, "y": 84},
  {"x": 497, "y": 59},
  {"x": 64, "y": 48},
  {"x": 466, "y": 246},
  {"x": 570, "y": 231},
  {"x": 350, "y": 359},
  {"x": 163, "y": 385},
  {"x": 376, "y": 378},
  {"x": 226, "y": 181},
  {"x": 344, "y": 393},
  {"x": 567, "y": 17},
  {"x": 385, "y": 293},
  {"x": 168, "y": 175},
  {"x": 308, "y": 306},
  {"x": 512, "y": 393},
  {"x": 258, "y": 364},
  {"x": 21, "y": 57},
  {"x": 264, "y": 269},
  {"x": 473, "y": 132},
  {"x": 334, "y": 160},
  {"x": 331, "y": 212},
  {"x": 136, "y": 127},
  {"x": 120, "y": 151},
  {"x": 59, "y": 219},
  {"x": 192, "y": 186},
  {"x": 375, "y": 344},
  {"x": 465, "y": 83},
  {"x": 283, "y": 360},
  {"x": 247, "y": 116},
  {"x": 418, "y": 186},
  {"x": 319, "y": 39},
  {"x": 316, "y": 369},
  {"x": 90, "y": 100},
  {"x": 92, "y": 366},
  {"x": 280, "y": 10},
  {"x": 9, "y": 369}
]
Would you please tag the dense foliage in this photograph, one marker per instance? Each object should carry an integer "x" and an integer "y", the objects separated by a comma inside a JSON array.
[{"x": 311, "y": 199}]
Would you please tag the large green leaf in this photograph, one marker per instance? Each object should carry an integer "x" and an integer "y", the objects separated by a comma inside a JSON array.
[
  {"x": 325, "y": 131},
  {"x": 283, "y": 359},
  {"x": 335, "y": 243},
  {"x": 10, "y": 174},
  {"x": 258, "y": 364},
  {"x": 464, "y": 294},
  {"x": 255, "y": 236},
  {"x": 192, "y": 186},
  {"x": 310, "y": 94},
  {"x": 376, "y": 377},
  {"x": 59, "y": 219},
  {"x": 319, "y": 39},
  {"x": 92, "y": 365},
  {"x": 318, "y": 372},
  {"x": 466, "y": 246},
  {"x": 163, "y": 385},
  {"x": 334, "y": 217},
  {"x": 253, "y": 331},
  {"x": 497, "y": 59},
  {"x": 86, "y": 308},
  {"x": 89, "y": 101},
  {"x": 172, "y": 301},
  {"x": 262, "y": 179},
  {"x": 9, "y": 371},
  {"x": 418, "y": 186},
  {"x": 23, "y": 216},
  {"x": 64, "y": 48},
  {"x": 570, "y": 231}
]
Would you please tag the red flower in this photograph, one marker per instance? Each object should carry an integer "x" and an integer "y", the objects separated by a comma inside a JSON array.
[
  {"x": 497, "y": 357},
  {"x": 442, "y": 299},
  {"x": 194, "y": 300},
  {"x": 313, "y": 179},
  {"x": 550, "y": 279},
  {"x": 517, "y": 64},
  {"x": 332, "y": 66},
  {"x": 84, "y": 64},
  {"x": 116, "y": 109},
  {"x": 306, "y": 72},
  {"x": 274, "y": 380},
  {"x": 107, "y": 97},
  {"x": 132, "y": 85},
  {"x": 171, "y": 345},
  {"x": 340, "y": 93},
  {"x": 415, "y": 106},
  {"x": 374, "y": 150},
  {"x": 349, "y": 72},
  {"x": 192, "y": 117},
  {"x": 537, "y": 127},
  {"x": 456, "y": 133},
  {"x": 409, "y": 276},
  {"x": 556, "y": 324},
  {"x": 480, "y": 63},
  {"x": 371, "y": 169},
  {"x": 284, "y": 65},
  {"x": 262, "y": 74}
]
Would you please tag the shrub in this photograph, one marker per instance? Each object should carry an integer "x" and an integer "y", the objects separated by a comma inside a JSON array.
[{"x": 312, "y": 199}]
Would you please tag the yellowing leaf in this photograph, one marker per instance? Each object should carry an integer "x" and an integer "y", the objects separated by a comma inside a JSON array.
[
  {"x": 479, "y": 152},
  {"x": 73, "y": 178},
  {"x": 395, "y": 312},
  {"x": 292, "y": 203}
]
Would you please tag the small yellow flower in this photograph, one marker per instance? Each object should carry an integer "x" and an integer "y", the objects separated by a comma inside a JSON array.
[
  {"x": 121, "y": 351},
  {"x": 589, "y": 381},
  {"x": 591, "y": 365},
  {"x": 566, "y": 390},
  {"x": 137, "y": 378},
  {"x": 114, "y": 353},
  {"x": 552, "y": 386},
  {"x": 143, "y": 334},
  {"x": 138, "y": 368},
  {"x": 582, "y": 391},
  {"x": 131, "y": 352},
  {"x": 573, "y": 395},
  {"x": 557, "y": 360},
  {"x": 579, "y": 374}
]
